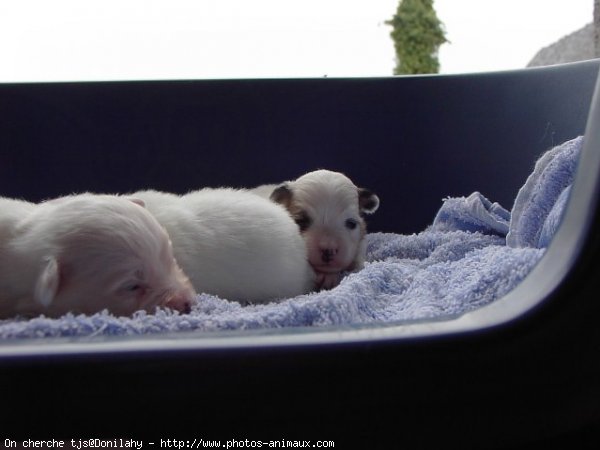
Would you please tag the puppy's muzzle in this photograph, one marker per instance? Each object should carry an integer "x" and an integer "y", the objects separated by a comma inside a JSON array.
[
  {"x": 181, "y": 302},
  {"x": 328, "y": 255}
]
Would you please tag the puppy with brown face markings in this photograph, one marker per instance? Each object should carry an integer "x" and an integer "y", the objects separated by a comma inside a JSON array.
[
  {"x": 328, "y": 209},
  {"x": 85, "y": 253}
]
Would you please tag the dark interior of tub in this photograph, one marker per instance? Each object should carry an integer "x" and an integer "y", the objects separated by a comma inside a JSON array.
[{"x": 413, "y": 140}]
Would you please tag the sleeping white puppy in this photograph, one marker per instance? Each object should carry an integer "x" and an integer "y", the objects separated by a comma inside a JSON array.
[
  {"x": 85, "y": 253},
  {"x": 234, "y": 244},
  {"x": 328, "y": 208}
]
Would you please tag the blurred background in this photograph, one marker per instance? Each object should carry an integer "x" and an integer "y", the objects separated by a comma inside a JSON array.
[{"x": 177, "y": 39}]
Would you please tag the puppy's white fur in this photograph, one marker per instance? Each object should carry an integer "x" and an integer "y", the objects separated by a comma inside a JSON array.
[
  {"x": 234, "y": 244},
  {"x": 85, "y": 253},
  {"x": 328, "y": 208}
]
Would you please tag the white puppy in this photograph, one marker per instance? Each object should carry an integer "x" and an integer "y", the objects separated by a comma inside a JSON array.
[
  {"x": 234, "y": 244},
  {"x": 328, "y": 208},
  {"x": 84, "y": 253}
]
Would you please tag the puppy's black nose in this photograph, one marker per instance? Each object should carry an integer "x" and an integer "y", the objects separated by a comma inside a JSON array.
[{"x": 328, "y": 254}]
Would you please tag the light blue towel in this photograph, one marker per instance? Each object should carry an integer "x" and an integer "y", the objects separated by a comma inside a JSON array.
[
  {"x": 538, "y": 208},
  {"x": 554, "y": 172},
  {"x": 458, "y": 264},
  {"x": 427, "y": 276},
  {"x": 554, "y": 218},
  {"x": 473, "y": 213}
]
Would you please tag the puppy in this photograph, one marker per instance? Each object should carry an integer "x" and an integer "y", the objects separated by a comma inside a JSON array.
[
  {"x": 234, "y": 244},
  {"x": 328, "y": 208},
  {"x": 84, "y": 253}
]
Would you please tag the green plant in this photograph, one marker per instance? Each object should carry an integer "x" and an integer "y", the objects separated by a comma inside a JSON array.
[{"x": 417, "y": 34}]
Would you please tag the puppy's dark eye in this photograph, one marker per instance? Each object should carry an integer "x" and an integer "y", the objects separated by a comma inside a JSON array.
[
  {"x": 303, "y": 221},
  {"x": 351, "y": 224},
  {"x": 132, "y": 286}
]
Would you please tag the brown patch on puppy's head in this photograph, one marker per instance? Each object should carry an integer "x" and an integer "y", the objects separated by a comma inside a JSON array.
[
  {"x": 282, "y": 195},
  {"x": 368, "y": 202}
]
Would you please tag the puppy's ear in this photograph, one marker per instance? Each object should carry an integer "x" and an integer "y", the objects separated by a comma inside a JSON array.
[
  {"x": 282, "y": 195},
  {"x": 47, "y": 283},
  {"x": 137, "y": 201},
  {"x": 368, "y": 202}
]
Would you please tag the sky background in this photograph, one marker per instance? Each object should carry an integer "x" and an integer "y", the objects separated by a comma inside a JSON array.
[{"x": 154, "y": 39}]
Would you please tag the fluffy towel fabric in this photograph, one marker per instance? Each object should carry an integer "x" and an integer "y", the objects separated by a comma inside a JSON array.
[
  {"x": 427, "y": 276},
  {"x": 473, "y": 213},
  {"x": 458, "y": 264},
  {"x": 554, "y": 218},
  {"x": 553, "y": 174},
  {"x": 537, "y": 210}
]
